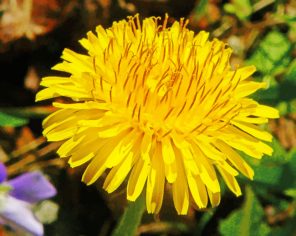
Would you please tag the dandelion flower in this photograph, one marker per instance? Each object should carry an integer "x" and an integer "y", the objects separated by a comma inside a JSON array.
[{"x": 157, "y": 105}]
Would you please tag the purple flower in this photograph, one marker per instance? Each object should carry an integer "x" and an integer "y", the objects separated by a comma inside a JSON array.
[
  {"x": 16, "y": 205},
  {"x": 31, "y": 187},
  {"x": 3, "y": 172},
  {"x": 18, "y": 214}
]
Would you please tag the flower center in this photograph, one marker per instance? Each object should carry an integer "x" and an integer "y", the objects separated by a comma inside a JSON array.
[{"x": 166, "y": 80}]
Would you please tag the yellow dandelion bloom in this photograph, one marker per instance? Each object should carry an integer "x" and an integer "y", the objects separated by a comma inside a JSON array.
[{"x": 157, "y": 105}]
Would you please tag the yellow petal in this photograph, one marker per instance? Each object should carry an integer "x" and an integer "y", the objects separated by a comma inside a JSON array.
[
  {"x": 171, "y": 172},
  {"x": 146, "y": 143},
  {"x": 114, "y": 130},
  {"x": 207, "y": 172},
  {"x": 155, "y": 185},
  {"x": 46, "y": 94},
  {"x": 180, "y": 190},
  {"x": 98, "y": 164},
  {"x": 137, "y": 179},
  {"x": 66, "y": 122},
  {"x": 201, "y": 38},
  {"x": 65, "y": 149},
  {"x": 122, "y": 149},
  {"x": 87, "y": 149},
  {"x": 80, "y": 60},
  {"x": 245, "y": 142},
  {"x": 266, "y": 111},
  {"x": 198, "y": 190},
  {"x": 53, "y": 80},
  {"x": 68, "y": 90},
  {"x": 106, "y": 121},
  {"x": 167, "y": 151},
  {"x": 228, "y": 168},
  {"x": 188, "y": 159},
  {"x": 230, "y": 181},
  {"x": 82, "y": 106},
  {"x": 253, "y": 120},
  {"x": 118, "y": 173},
  {"x": 214, "y": 197},
  {"x": 253, "y": 130},
  {"x": 95, "y": 169},
  {"x": 247, "y": 88},
  {"x": 246, "y": 72},
  {"x": 235, "y": 159},
  {"x": 60, "y": 133},
  {"x": 57, "y": 117},
  {"x": 85, "y": 43},
  {"x": 245, "y": 148},
  {"x": 75, "y": 160},
  {"x": 209, "y": 151}
]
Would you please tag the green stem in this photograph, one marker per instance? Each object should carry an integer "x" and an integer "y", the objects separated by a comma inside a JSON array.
[
  {"x": 247, "y": 212},
  {"x": 131, "y": 218}
]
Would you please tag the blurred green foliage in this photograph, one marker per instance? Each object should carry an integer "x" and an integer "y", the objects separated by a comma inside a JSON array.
[
  {"x": 272, "y": 55},
  {"x": 266, "y": 31},
  {"x": 241, "y": 8},
  {"x": 246, "y": 221},
  {"x": 12, "y": 121},
  {"x": 131, "y": 218}
]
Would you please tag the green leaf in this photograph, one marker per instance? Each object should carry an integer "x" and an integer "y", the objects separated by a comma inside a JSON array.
[
  {"x": 247, "y": 221},
  {"x": 268, "y": 174},
  {"x": 276, "y": 173},
  {"x": 29, "y": 112},
  {"x": 10, "y": 120},
  {"x": 279, "y": 155},
  {"x": 270, "y": 170},
  {"x": 288, "y": 229},
  {"x": 283, "y": 107},
  {"x": 290, "y": 19},
  {"x": 286, "y": 107},
  {"x": 241, "y": 8},
  {"x": 291, "y": 73},
  {"x": 5, "y": 188},
  {"x": 46, "y": 211},
  {"x": 273, "y": 54},
  {"x": 131, "y": 218},
  {"x": 200, "y": 9},
  {"x": 269, "y": 95},
  {"x": 203, "y": 221}
]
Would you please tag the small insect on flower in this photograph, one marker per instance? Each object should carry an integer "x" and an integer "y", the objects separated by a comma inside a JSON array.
[{"x": 157, "y": 105}]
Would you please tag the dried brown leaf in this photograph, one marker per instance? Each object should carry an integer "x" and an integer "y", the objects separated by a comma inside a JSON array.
[
  {"x": 32, "y": 80},
  {"x": 285, "y": 130}
]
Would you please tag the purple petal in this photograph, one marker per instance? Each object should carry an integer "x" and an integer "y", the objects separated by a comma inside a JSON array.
[
  {"x": 31, "y": 187},
  {"x": 18, "y": 214},
  {"x": 3, "y": 172}
]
